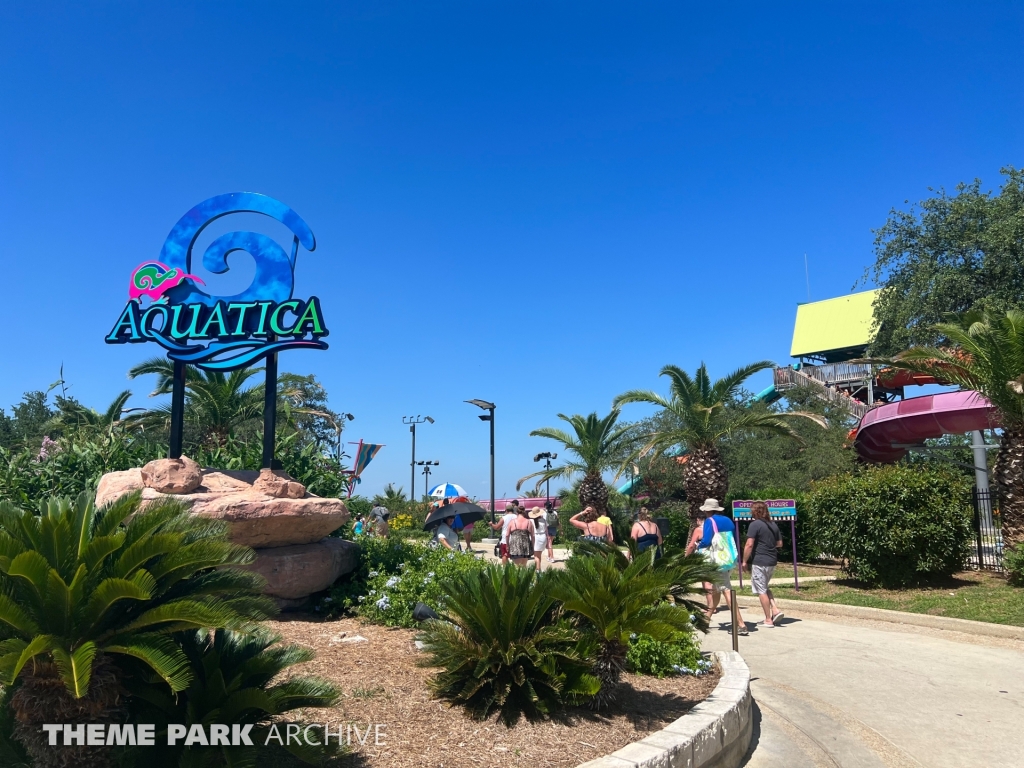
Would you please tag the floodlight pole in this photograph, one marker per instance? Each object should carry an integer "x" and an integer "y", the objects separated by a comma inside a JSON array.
[
  {"x": 177, "y": 410},
  {"x": 412, "y": 421}
]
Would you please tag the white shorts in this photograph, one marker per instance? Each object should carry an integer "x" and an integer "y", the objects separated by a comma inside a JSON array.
[
  {"x": 540, "y": 542},
  {"x": 723, "y": 581},
  {"x": 760, "y": 576}
]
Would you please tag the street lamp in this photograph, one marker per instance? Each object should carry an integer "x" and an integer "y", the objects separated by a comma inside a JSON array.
[
  {"x": 412, "y": 421},
  {"x": 548, "y": 457},
  {"x": 489, "y": 407},
  {"x": 426, "y": 473}
]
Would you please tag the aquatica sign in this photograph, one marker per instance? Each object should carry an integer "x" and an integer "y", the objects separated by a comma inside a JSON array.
[{"x": 167, "y": 304}]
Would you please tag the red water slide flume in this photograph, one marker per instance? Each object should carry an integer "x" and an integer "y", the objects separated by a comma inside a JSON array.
[{"x": 886, "y": 430}]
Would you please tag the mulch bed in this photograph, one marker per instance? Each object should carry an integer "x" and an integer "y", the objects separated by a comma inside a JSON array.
[{"x": 382, "y": 684}]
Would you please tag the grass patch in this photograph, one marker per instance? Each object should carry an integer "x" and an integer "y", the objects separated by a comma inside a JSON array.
[{"x": 968, "y": 595}]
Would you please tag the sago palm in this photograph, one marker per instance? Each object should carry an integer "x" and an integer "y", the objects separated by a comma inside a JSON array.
[
  {"x": 500, "y": 648},
  {"x": 613, "y": 598},
  {"x": 700, "y": 419},
  {"x": 987, "y": 356},
  {"x": 80, "y": 588},
  {"x": 597, "y": 445},
  {"x": 236, "y": 679}
]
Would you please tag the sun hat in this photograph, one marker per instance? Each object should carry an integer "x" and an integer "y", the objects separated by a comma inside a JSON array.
[
  {"x": 536, "y": 512},
  {"x": 711, "y": 505}
]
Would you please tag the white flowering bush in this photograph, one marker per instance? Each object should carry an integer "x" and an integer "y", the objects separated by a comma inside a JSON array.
[
  {"x": 681, "y": 656},
  {"x": 392, "y": 577}
]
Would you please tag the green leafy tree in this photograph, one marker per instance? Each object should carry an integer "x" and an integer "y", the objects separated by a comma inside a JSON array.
[
  {"x": 987, "y": 356},
  {"x": 614, "y": 597},
  {"x": 499, "y": 649},
  {"x": 953, "y": 253},
  {"x": 72, "y": 415},
  {"x": 701, "y": 420},
  {"x": 80, "y": 588},
  {"x": 596, "y": 444},
  {"x": 236, "y": 679}
]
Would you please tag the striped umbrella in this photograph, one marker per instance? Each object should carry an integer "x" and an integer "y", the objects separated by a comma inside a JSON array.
[{"x": 445, "y": 490}]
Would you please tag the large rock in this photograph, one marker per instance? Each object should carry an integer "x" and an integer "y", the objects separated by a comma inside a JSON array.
[
  {"x": 254, "y": 519},
  {"x": 298, "y": 571},
  {"x": 172, "y": 475},
  {"x": 279, "y": 485}
]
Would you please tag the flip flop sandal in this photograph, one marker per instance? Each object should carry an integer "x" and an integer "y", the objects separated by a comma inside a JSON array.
[{"x": 777, "y": 616}]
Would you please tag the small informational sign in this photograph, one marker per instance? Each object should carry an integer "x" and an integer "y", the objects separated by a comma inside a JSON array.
[{"x": 778, "y": 509}]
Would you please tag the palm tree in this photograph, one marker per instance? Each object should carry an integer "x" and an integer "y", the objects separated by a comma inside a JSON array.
[
  {"x": 700, "y": 420},
  {"x": 988, "y": 357},
  {"x": 80, "y": 588},
  {"x": 597, "y": 446},
  {"x": 72, "y": 414},
  {"x": 217, "y": 403}
]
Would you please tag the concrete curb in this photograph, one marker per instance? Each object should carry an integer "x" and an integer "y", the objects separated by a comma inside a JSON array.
[
  {"x": 894, "y": 617},
  {"x": 714, "y": 734}
]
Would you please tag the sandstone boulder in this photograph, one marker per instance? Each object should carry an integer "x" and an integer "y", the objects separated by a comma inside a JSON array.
[
  {"x": 172, "y": 475},
  {"x": 278, "y": 484},
  {"x": 254, "y": 519},
  {"x": 298, "y": 571}
]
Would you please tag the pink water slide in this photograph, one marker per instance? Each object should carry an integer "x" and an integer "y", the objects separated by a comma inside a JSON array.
[{"x": 886, "y": 430}]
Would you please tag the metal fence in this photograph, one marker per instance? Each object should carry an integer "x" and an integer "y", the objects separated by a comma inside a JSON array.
[{"x": 988, "y": 538}]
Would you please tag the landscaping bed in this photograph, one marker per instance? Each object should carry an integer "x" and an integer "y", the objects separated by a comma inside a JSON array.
[
  {"x": 972, "y": 595},
  {"x": 382, "y": 684}
]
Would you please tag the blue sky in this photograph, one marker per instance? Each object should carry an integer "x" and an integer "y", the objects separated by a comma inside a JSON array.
[{"x": 536, "y": 204}]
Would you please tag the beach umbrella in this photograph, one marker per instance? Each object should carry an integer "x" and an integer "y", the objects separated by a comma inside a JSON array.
[
  {"x": 467, "y": 512},
  {"x": 447, "y": 489}
]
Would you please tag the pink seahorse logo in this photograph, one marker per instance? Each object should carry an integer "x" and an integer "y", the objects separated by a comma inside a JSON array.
[{"x": 154, "y": 279}]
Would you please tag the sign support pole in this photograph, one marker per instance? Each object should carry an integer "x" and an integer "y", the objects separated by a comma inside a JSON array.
[
  {"x": 792, "y": 532},
  {"x": 177, "y": 410},
  {"x": 270, "y": 412}
]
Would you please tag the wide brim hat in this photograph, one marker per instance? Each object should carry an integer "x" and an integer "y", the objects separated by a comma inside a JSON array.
[
  {"x": 536, "y": 512},
  {"x": 711, "y": 505}
]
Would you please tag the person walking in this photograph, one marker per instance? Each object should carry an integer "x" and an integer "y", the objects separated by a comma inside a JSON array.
[
  {"x": 552, "y": 520},
  {"x": 593, "y": 531},
  {"x": 380, "y": 516},
  {"x": 520, "y": 538},
  {"x": 502, "y": 525},
  {"x": 646, "y": 533},
  {"x": 540, "y": 534},
  {"x": 760, "y": 556},
  {"x": 709, "y": 525}
]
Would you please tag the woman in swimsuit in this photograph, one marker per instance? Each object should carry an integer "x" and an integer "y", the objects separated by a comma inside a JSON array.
[
  {"x": 593, "y": 531},
  {"x": 646, "y": 533}
]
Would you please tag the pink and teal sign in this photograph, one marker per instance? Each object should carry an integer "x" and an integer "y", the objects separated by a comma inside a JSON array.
[{"x": 169, "y": 305}]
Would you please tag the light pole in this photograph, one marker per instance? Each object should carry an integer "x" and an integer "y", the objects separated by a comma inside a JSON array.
[
  {"x": 412, "y": 421},
  {"x": 547, "y": 456},
  {"x": 489, "y": 407},
  {"x": 426, "y": 473}
]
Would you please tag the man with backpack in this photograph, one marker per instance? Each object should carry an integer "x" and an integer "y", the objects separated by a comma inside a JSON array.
[{"x": 715, "y": 537}]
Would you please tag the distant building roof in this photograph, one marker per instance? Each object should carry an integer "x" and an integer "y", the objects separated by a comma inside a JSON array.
[{"x": 834, "y": 325}]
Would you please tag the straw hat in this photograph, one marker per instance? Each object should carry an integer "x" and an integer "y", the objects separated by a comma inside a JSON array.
[
  {"x": 536, "y": 512},
  {"x": 711, "y": 505}
]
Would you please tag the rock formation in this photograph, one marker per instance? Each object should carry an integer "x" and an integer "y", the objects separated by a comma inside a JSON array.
[{"x": 266, "y": 510}]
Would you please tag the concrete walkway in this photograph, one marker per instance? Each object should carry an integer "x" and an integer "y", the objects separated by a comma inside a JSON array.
[{"x": 863, "y": 694}]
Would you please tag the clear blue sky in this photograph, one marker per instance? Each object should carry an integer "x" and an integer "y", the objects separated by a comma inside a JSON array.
[{"x": 598, "y": 188}]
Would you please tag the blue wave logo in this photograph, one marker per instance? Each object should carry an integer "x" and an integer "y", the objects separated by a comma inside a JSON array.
[{"x": 239, "y": 329}]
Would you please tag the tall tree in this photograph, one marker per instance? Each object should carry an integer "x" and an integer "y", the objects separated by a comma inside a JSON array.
[
  {"x": 73, "y": 415},
  {"x": 988, "y": 357},
  {"x": 596, "y": 445},
  {"x": 951, "y": 253},
  {"x": 700, "y": 421}
]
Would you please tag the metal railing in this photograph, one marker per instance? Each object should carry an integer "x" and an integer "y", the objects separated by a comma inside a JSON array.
[
  {"x": 987, "y": 552},
  {"x": 787, "y": 378},
  {"x": 839, "y": 373}
]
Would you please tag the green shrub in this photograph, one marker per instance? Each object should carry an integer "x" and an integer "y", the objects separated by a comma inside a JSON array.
[
  {"x": 679, "y": 656},
  {"x": 393, "y": 575},
  {"x": 894, "y": 525},
  {"x": 235, "y": 679},
  {"x": 1013, "y": 562},
  {"x": 499, "y": 648},
  {"x": 81, "y": 590}
]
